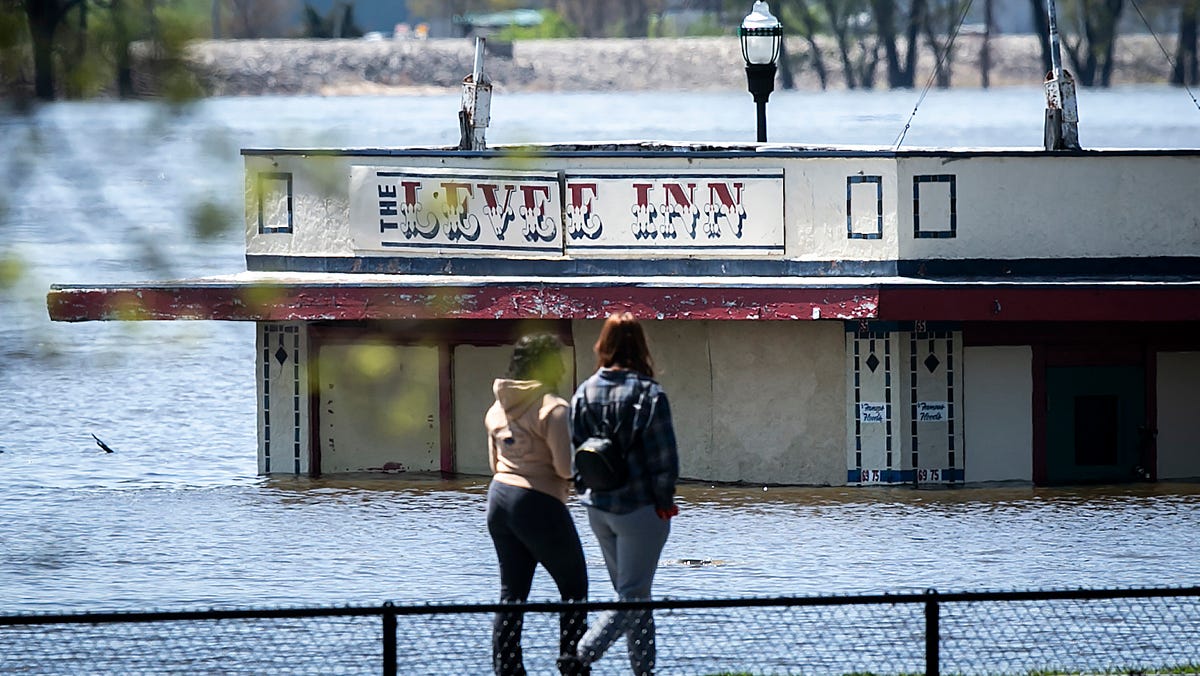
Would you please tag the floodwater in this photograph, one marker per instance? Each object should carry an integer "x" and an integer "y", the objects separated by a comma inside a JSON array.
[{"x": 177, "y": 518}]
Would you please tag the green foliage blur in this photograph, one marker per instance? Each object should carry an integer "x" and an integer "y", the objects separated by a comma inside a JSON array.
[
  {"x": 93, "y": 45},
  {"x": 553, "y": 25}
]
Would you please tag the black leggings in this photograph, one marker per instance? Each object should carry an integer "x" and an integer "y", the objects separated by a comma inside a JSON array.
[{"x": 529, "y": 527}]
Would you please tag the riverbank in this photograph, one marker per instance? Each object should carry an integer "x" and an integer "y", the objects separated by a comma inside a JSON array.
[{"x": 405, "y": 67}]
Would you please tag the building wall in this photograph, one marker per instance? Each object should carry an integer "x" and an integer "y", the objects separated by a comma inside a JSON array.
[
  {"x": 869, "y": 208},
  {"x": 1178, "y": 415},
  {"x": 998, "y": 413},
  {"x": 475, "y": 367},
  {"x": 1036, "y": 207},
  {"x": 283, "y": 404},
  {"x": 380, "y": 407},
  {"x": 756, "y": 402}
]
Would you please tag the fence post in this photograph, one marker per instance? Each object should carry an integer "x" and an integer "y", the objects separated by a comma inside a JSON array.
[
  {"x": 389, "y": 639},
  {"x": 932, "y": 633}
]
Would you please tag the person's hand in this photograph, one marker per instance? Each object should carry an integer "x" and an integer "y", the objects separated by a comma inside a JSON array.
[{"x": 666, "y": 513}]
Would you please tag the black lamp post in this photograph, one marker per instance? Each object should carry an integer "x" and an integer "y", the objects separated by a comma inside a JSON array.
[{"x": 761, "y": 34}]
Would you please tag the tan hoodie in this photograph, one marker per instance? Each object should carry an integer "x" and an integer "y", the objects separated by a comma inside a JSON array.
[{"x": 529, "y": 440}]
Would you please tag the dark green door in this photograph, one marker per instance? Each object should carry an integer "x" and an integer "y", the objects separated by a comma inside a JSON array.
[{"x": 1094, "y": 421}]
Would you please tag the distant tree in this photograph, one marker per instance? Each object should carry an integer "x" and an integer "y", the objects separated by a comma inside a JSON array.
[
  {"x": 609, "y": 18},
  {"x": 124, "y": 31},
  {"x": 251, "y": 19},
  {"x": 44, "y": 18},
  {"x": 1187, "y": 67},
  {"x": 985, "y": 49},
  {"x": 901, "y": 71},
  {"x": 14, "y": 41},
  {"x": 853, "y": 31},
  {"x": 1091, "y": 48},
  {"x": 1041, "y": 26},
  {"x": 338, "y": 23},
  {"x": 798, "y": 16},
  {"x": 940, "y": 22}
]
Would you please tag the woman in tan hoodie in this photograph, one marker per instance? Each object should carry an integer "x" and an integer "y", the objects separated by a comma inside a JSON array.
[{"x": 529, "y": 450}]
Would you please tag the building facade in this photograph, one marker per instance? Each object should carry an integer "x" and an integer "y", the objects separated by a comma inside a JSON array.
[{"x": 818, "y": 316}]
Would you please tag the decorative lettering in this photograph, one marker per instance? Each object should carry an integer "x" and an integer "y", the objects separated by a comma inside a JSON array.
[
  {"x": 872, "y": 412},
  {"x": 644, "y": 213},
  {"x": 582, "y": 219},
  {"x": 498, "y": 215},
  {"x": 932, "y": 411},
  {"x": 539, "y": 225},
  {"x": 680, "y": 209},
  {"x": 687, "y": 212},
  {"x": 724, "y": 206},
  {"x": 387, "y": 208},
  {"x": 459, "y": 221}
]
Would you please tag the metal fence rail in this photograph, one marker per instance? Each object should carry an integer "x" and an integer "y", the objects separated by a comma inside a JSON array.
[{"x": 1131, "y": 631}]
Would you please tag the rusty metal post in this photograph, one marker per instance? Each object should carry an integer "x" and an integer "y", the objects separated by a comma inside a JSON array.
[
  {"x": 1062, "y": 111},
  {"x": 475, "y": 114}
]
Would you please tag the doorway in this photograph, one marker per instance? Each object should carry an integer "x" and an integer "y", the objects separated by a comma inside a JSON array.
[{"x": 1095, "y": 422}]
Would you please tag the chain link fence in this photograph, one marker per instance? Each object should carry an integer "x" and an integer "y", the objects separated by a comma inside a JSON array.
[{"x": 1132, "y": 631}]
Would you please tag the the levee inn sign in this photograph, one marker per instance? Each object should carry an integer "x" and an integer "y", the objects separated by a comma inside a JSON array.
[{"x": 664, "y": 213}]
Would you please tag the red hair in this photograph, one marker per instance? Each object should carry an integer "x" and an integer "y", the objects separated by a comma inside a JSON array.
[{"x": 622, "y": 344}]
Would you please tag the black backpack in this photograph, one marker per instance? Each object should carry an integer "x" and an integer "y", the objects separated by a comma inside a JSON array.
[{"x": 600, "y": 462}]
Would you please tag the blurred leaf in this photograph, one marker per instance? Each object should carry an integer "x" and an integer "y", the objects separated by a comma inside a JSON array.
[
  {"x": 209, "y": 220},
  {"x": 12, "y": 269}
]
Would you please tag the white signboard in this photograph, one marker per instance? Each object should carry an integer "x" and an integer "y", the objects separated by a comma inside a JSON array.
[
  {"x": 675, "y": 212},
  {"x": 872, "y": 412},
  {"x": 932, "y": 411},
  {"x": 428, "y": 210}
]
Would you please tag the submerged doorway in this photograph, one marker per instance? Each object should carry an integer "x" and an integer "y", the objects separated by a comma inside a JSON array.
[{"x": 1094, "y": 424}]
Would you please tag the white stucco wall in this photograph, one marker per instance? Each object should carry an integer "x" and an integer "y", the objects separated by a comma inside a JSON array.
[
  {"x": 1178, "y": 415},
  {"x": 759, "y": 402},
  {"x": 281, "y": 371},
  {"x": 1039, "y": 206},
  {"x": 320, "y": 206},
  {"x": 379, "y": 407},
  {"x": 998, "y": 413},
  {"x": 475, "y": 368}
]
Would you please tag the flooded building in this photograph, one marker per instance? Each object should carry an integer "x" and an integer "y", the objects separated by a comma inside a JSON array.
[{"x": 832, "y": 316}]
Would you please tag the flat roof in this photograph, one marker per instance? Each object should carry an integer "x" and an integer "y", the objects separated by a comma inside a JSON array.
[{"x": 712, "y": 150}]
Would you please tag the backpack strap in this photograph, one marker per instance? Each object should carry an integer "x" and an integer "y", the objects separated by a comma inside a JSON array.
[{"x": 607, "y": 429}]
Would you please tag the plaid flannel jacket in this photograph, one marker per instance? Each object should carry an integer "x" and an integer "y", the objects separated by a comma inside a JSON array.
[{"x": 644, "y": 429}]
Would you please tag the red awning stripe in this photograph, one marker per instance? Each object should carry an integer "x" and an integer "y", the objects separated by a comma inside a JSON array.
[{"x": 241, "y": 301}]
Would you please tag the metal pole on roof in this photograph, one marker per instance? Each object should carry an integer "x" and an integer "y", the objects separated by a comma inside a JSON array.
[
  {"x": 1062, "y": 111},
  {"x": 475, "y": 114},
  {"x": 1055, "y": 49}
]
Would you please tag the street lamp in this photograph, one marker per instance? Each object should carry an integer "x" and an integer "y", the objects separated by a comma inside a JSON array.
[{"x": 761, "y": 35}]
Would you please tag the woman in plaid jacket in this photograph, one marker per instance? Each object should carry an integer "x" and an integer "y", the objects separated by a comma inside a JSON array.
[{"x": 632, "y": 521}]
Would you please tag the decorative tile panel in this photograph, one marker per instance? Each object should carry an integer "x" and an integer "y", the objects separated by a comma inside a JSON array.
[
  {"x": 934, "y": 447},
  {"x": 864, "y": 207},
  {"x": 935, "y": 208},
  {"x": 282, "y": 426},
  {"x": 871, "y": 397},
  {"x": 274, "y": 192}
]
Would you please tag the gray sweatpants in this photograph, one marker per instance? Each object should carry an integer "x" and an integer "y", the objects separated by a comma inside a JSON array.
[{"x": 631, "y": 544}]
